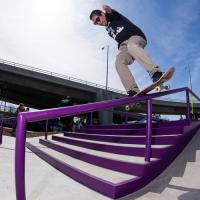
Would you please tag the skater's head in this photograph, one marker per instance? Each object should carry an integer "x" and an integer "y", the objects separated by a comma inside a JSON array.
[{"x": 98, "y": 17}]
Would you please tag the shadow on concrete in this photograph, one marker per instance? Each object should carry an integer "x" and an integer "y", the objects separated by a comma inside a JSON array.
[
  {"x": 176, "y": 169},
  {"x": 190, "y": 193}
]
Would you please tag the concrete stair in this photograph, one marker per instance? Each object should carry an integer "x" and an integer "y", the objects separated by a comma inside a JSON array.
[{"x": 111, "y": 161}]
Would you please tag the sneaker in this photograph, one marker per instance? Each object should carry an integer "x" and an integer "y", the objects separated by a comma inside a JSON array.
[
  {"x": 157, "y": 76},
  {"x": 131, "y": 93}
]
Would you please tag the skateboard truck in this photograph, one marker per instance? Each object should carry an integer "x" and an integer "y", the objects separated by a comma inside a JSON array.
[
  {"x": 158, "y": 86},
  {"x": 132, "y": 106}
]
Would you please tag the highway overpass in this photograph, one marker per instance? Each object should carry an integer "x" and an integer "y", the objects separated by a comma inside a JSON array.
[{"x": 42, "y": 89}]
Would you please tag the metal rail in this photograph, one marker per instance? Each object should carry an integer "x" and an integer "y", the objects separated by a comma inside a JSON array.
[{"x": 24, "y": 118}]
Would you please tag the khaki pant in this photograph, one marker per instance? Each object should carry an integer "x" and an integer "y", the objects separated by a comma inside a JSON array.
[{"x": 130, "y": 50}]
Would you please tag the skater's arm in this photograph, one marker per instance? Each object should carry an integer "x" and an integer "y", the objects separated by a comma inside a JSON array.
[
  {"x": 110, "y": 13},
  {"x": 107, "y": 9}
]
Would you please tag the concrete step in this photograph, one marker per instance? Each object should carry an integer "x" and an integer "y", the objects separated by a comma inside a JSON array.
[
  {"x": 108, "y": 182},
  {"x": 137, "y": 131},
  {"x": 117, "y": 148},
  {"x": 126, "y": 164},
  {"x": 102, "y": 173},
  {"x": 167, "y": 194},
  {"x": 162, "y": 139},
  {"x": 189, "y": 179},
  {"x": 198, "y": 156},
  {"x": 179, "y": 181},
  {"x": 156, "y": 146},
  {"x": 125, "y": 158}
]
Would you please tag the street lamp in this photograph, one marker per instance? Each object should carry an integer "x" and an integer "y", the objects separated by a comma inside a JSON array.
[
  {"x": 107, "y": 47},
  {"x": 190, "y": 77},
  {"x": 192, "y": 100}
]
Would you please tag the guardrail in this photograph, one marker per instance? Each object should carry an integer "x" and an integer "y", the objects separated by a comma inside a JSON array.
[
  {"x": 24, "y": 118},
  {"x": 35, "y": 69}
]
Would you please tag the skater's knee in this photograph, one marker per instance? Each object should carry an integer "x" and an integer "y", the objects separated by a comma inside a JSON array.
[{"x": 123, "y": 61}]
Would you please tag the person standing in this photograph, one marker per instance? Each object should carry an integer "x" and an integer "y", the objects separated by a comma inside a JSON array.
[{"x": 19, "y": 109}]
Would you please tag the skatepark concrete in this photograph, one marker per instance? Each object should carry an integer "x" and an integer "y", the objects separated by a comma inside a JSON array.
[{"x": 181, "y": 180}]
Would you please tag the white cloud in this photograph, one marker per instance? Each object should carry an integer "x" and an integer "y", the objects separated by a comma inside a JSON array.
[{"x": 57, "y": 35}]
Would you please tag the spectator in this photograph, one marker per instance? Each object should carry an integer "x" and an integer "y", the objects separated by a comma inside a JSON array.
[{"x": 20, "y": 108}]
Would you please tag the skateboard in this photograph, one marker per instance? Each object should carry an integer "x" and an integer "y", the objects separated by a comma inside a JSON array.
[{"x": 158, "y": 86}]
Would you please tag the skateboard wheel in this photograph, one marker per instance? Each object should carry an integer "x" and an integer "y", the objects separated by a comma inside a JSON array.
[
  {"x": 127, "y": 108},
  {"x": 158, "y": 89},
  {"x": 132, "y": 106},
  {"x": 167, "y": 87}
]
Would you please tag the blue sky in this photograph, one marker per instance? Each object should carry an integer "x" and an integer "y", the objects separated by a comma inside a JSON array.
[{"x": 57, "y": 35}]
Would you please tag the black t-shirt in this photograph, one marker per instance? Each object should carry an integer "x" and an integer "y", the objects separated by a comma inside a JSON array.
[{"x": 120, "y": 28}]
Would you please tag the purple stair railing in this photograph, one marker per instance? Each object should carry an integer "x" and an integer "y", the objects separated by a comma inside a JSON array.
[{"x": 24, "y": 118}]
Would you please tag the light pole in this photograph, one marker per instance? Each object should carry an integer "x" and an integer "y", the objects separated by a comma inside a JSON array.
[
  {"x": 107, "y": 47},
  {"x": 192, "y": 100},
  {"x": 190, "y": 77}
]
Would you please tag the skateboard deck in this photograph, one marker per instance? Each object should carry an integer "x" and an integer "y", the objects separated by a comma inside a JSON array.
[
  {"x": 158, "y": 85},
  {"x": 164, "y": 78}
]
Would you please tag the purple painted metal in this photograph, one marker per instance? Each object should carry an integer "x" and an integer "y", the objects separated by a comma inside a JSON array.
[
  {"x": 117, "y": 190},
  {"x": 117, "y": 165},
  {"x": 20, "y": 157},
  {"x": 124, "y": 150},
  {"x": 194, "y": 94},
  {"x": 188, "y": 104},
  {"x": 91, "y": 118},
  {"x": 132, "y": 131},
  {"x": 165, "y": 139},
  {"x": 164, "y": 93},
  {"x": 46, "y": 129},
  {"x": 25, "y": 117},
  {"x": 148, "y": 130}
]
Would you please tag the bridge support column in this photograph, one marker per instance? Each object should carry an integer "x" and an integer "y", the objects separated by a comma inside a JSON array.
[{"x": 105, "y": 117}]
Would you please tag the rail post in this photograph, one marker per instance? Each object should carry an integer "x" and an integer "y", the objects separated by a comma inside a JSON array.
[
  {"x": 20, "y": 158},
  {"x": 188, "y": 104},
  {"x": 148, "y": 129},
  {"x": 46, "y": 129}
]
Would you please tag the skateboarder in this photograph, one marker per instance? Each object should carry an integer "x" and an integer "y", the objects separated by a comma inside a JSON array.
[{"x": 131, "y": 42}]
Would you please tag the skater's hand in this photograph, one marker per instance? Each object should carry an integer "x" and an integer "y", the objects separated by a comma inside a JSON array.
[{"x": 107, "y": 9}]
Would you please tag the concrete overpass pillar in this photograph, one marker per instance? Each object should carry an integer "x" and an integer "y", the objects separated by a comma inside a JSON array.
[{"x": 105, "y": 117}]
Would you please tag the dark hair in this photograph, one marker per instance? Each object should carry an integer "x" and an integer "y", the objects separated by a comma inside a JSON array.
[{"x": 95, "y": 12}]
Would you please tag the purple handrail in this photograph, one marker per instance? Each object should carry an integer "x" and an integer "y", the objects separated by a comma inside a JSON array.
[
  {"x": 188, "y": 103},
  {"x": 46, "y": 129},
  {"x": 24, "y": 118},
  {"x": 148, "y": 130}
]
